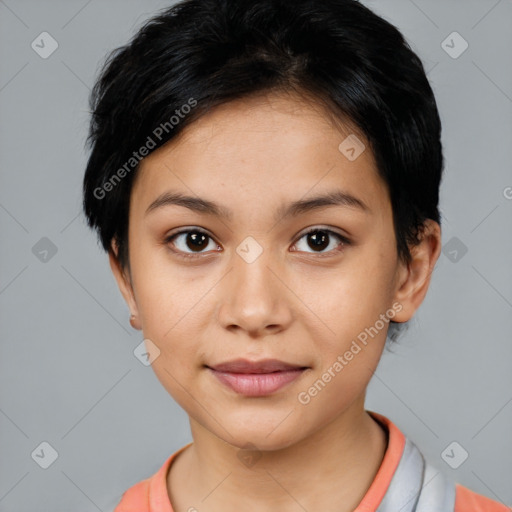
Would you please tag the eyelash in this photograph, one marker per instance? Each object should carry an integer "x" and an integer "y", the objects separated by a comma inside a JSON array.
[{"x": 188, "y": 256}]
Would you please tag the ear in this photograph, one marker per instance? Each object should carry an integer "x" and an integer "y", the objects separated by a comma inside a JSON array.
[
  {"x": 123, "y": 279},
  {"x": 414, "y": 279}
]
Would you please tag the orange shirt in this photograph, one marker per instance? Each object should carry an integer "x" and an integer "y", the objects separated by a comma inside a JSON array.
[{"x": 150, "y": 495}]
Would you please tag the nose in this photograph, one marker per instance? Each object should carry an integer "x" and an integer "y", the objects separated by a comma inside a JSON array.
[{"x": 254, "y": 297}]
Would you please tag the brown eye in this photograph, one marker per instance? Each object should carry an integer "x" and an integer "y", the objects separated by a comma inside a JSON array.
[
  {"x": 319, "y": 240},
  {"x": 190, "y": 241}
]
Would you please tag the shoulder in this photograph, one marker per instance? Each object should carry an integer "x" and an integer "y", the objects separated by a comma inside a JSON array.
[
  {"x": 150, "y": 495},
  {"x": 135, "y": 499},
  {"x": 467, "y": 500}
]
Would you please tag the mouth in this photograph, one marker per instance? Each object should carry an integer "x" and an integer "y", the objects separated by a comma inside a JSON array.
[{"x": 256, "y": 378}]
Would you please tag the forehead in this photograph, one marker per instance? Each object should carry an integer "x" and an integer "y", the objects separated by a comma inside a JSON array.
[{"x": 269, "y": 148}]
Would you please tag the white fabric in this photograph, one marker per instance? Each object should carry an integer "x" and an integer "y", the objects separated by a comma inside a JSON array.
[{"x": 417, "y": 487}]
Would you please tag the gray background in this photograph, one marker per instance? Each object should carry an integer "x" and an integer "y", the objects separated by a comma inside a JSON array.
[{"x": 68, "y": 373}]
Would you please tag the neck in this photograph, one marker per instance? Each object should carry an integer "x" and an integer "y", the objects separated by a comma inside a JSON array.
[{"x": 330, "y": 470}]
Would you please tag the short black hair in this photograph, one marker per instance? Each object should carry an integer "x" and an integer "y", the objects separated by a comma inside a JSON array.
[{"x": 198, "y": 54}]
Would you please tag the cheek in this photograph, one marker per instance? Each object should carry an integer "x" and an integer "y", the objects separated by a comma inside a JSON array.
[
  {"x": 350, "y": 299},
  {"x": 173, "y": 318},
  {"x": 334, "y": 388},
  {"x": 352, "y": 308},
  {"x": 166, "y": 292}
]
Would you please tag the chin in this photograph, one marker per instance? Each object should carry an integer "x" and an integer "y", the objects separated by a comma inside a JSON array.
[{"x": 261, "y": 436}]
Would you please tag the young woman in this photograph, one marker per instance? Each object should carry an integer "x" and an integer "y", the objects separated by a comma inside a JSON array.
[{"x": 264, "y": 175}]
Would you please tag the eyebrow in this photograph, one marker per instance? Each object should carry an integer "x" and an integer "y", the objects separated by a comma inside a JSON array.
[{"x": 293, "y": 209}]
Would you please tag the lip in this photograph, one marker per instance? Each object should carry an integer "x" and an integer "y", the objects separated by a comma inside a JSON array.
[
  {"x": 261, "y": 366},
  {"x": 256, "y": 378}
]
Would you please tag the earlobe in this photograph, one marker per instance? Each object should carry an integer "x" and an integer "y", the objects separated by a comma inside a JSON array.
[
  {"x": 415, "y": 278},
  {"x": 124, "y": 283}
]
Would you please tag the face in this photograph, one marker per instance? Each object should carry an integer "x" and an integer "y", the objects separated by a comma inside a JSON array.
[{"x": 247, "y": 280}]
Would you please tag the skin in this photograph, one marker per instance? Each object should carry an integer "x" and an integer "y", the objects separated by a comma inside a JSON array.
[{"x": 295, "y": 303}]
